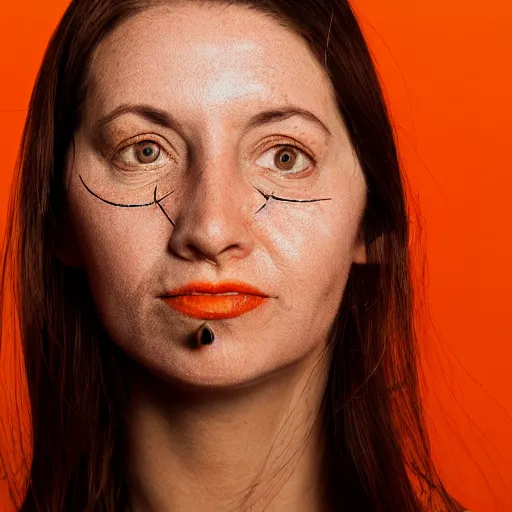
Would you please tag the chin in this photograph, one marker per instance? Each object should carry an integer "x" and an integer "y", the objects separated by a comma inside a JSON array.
[{"x": 222, "y": 368}]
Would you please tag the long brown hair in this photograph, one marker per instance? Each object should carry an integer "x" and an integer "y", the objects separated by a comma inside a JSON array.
[{"x": 378, "y": 456}]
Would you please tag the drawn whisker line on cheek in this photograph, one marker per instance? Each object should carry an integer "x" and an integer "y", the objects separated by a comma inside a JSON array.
[
  {"x": 156, "y": 201},
  {"x": 268, "y": 196}
]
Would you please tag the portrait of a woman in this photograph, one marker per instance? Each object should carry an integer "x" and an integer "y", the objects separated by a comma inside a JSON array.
[{"x": 212, "y": 247}]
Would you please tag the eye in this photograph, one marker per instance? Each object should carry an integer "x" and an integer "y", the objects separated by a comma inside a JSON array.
[
  {"x": 145, "y": 153},
  {"x": 286, "y": 159}
]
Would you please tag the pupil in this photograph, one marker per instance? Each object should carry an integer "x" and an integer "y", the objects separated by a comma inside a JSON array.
[{"x": 147, "y": 151}]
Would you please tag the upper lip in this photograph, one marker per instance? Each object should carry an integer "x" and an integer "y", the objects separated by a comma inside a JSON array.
[{"x": 219, "y": 287}]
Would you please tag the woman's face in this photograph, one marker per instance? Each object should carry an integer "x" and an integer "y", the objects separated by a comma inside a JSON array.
[{"x": 177, "y": 109}]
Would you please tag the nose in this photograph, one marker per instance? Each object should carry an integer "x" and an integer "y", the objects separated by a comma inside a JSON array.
[{"x": 213, "y": 219}]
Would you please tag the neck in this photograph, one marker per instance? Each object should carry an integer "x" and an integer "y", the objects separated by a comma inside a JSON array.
[{"x": 254, "y": 448}]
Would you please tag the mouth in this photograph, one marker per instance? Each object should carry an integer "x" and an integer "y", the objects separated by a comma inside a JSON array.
[{"x": 210, "y": 301}]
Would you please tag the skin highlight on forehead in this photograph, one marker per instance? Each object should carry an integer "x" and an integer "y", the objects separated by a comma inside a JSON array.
[{"x": 234, "y": 73}]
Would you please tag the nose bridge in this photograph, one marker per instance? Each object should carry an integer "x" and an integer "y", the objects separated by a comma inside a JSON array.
[
  {"x": 216, "y": 185},
  {"x": 216, "y": 161}
]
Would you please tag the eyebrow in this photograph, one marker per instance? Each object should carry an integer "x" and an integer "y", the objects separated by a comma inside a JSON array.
[{"x": 162, "y": 118}]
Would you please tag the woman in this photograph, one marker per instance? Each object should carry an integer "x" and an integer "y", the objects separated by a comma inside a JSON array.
[{"x": 216, "y": 301}]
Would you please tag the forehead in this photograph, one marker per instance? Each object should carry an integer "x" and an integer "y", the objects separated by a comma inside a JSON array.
[{"x": 196, "y": 59}]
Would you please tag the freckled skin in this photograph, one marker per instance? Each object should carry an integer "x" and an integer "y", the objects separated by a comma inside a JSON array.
[{"x": 213, "y": 69}]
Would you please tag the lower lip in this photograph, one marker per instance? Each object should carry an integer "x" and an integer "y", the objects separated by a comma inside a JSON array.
[{"x": 215, "y": 307}]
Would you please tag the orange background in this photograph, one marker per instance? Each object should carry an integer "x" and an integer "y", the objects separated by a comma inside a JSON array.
[{"x": 447, "y": 72}]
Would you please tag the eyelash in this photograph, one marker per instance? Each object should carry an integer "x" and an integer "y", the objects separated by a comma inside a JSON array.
[{"x": 280, "y": 143}]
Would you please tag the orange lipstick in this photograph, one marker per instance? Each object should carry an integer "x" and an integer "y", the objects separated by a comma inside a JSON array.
[{"x": 212, "y": 301}]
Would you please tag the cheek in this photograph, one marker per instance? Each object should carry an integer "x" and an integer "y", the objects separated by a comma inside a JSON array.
[
  {"x": 312, "y": 246},
  {"x": 304, "y": 232},
  {"x": 118, "y": 246}
]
